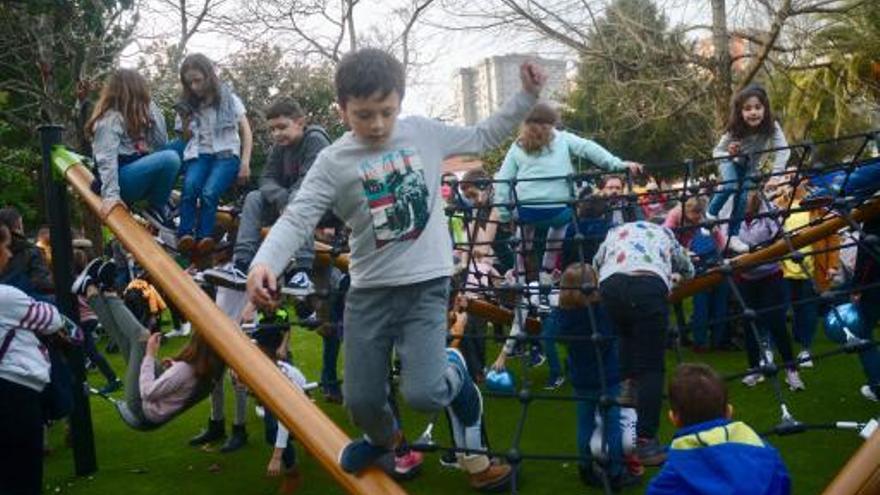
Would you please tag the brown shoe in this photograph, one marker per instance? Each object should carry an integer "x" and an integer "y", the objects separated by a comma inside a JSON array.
[
  {"x": 185, "y": 244},
  {"x": 494, "y": 478},
  {"x": 291, "y": 481},
  {"x": 205, "y": 247}
]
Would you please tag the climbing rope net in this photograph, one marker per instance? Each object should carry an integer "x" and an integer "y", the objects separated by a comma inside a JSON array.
[{"x": 497, "y": 271}]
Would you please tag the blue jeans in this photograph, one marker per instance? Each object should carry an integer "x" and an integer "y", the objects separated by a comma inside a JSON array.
[
  {"x": 207, "y": 177},
  {"x": 806, "y": 316},
  {"x": 549, "y": 331},
  {"x": 288, "y": 457},
  {"x": 586, "y": 423},
  {"x": 710, "y": 306},
  {"x": 735, "y": 180},
  {"x": 149, "y": 178}
]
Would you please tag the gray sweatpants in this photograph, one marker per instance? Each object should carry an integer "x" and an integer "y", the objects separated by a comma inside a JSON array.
[
  {"x": 257, "y": 212},
  {"x": 130, "y": 335},
  {"x": 412, "y": 320}
]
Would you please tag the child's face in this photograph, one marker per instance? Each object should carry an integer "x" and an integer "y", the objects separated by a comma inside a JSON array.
[
  {"x": 372, "y": 118},
  {"x": 694, "y": 214},
  {"x": 285, "y": 130},
  {"x": 196, "y": 82},
  {"x": 753, "y": 111}
]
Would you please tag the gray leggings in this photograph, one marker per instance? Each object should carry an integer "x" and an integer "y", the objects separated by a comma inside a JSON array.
[{"x": 131, "y": 336}]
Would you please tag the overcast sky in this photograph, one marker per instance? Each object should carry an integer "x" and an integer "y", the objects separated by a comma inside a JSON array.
[{"x": 430, "y": 91}]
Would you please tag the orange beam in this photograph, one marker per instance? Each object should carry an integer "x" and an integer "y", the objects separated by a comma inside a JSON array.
[
  {"x": 829, "y": 226},
  {"x": 318, "y": 434},
  {"x": 861, "y": 474}
]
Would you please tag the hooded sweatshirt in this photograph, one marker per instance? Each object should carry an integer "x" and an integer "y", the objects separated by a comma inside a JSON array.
[{"x": 721, "y": 457}]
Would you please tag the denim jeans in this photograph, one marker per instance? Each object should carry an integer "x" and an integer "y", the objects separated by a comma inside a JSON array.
[
  {"x": 805, "y": 316},
  {"x": 549, "y": 331},
  {"x": 149, "y": 178},
  {"x": 257, "y": 212},
  {"x": 710, "y": 306},
  {"x": 735, "y": 180},
  {"x": 288, "y": 457},
  {"x": 207, "y": 177},
  {"x": 586, "y": 423}
]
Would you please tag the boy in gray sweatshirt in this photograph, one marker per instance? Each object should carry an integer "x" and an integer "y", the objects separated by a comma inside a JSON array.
[{"x": 383, "y": 179}]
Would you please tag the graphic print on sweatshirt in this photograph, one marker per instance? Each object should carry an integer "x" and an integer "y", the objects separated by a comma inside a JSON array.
[{"x": 397, "y": 195}]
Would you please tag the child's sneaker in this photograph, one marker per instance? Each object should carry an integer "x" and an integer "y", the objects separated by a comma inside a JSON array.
[
  {"x": 450, "y": 460},
  {"x": 226, "y": 276},
  {"x": 494, "y": 478},
  {"x": 805, "y": 359},
  {"x": 753, "y": 379},
  {"x": 299, "y": 285},
  {"x": 819, "y": 197},
  {"x": 467, "y": 406},
  {"x": 260, "y": 411},
  {"x": 650, "y": 452},
  {"x": 407, "y": 464},
  {"x": 793, "y": 379},
  {"x": 359, "y": 455},
  {"x": 868, "y": 393},
  {"x": 553, "y": 383},
  {"x": 89, "y": 276}
]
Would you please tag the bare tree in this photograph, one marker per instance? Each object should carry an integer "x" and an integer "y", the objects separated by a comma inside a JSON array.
[
  {"x": 322, "y": 30},
  {"x": 192, "y": 17},
  {"x": 770, "y": 29}
]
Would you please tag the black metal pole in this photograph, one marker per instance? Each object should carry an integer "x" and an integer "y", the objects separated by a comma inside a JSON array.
[{"x": 82, "y": 435}]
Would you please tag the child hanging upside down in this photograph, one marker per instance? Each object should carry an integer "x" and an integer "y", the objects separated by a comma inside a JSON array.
[{"x": 152, "y": 396}]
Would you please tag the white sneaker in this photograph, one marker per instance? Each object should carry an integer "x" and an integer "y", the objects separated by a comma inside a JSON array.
[
  {"x": 185, "y": 329},
  {"x": 226, "y": 276},
  {"x": 868, "y": 393},
  {"x": 793, "y": 379},
  {"x": 260, "y": 411},
  {"x": 805, "y": 359},
  {"x": 753, "y": 379}
]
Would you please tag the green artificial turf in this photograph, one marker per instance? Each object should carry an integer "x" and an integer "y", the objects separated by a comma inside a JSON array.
[{"x": 157, "y": 462}]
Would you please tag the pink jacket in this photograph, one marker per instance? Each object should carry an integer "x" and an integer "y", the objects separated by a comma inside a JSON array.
[{"x": 164, "y": 396}]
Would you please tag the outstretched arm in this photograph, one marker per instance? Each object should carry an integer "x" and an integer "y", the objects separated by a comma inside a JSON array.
[{"x": 492, "y": 131}]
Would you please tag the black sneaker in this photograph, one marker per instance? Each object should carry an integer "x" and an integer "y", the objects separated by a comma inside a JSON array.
[
  {"x": 89, "y": 276},
  {"x": 106, "y": 276}
]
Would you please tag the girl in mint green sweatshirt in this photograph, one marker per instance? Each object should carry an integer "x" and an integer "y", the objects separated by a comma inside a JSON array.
[{"x": 538, "y": 165}]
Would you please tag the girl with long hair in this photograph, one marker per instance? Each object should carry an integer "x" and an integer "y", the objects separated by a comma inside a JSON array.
[
  {"x": 539, "y": 163},
  {"x": 128, "y": 135},
  {"x": 218, "y": 151},
  {"x": 750, "y": 132}
]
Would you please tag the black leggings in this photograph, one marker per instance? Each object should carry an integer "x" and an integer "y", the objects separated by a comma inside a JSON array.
[
  {"x": 640, "y": 314},
  {"x": 764, "y": 293}
]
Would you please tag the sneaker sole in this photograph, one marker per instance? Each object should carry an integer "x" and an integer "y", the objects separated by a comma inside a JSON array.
[
  {"x": 497, "y": 486},
  {"x": 221, "y": 281}
]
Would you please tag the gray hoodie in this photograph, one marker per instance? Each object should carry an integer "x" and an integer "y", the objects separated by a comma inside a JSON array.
[{"x": 389, "y": 196}]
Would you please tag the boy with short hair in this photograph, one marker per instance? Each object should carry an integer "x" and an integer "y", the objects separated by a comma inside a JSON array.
[
  {"x": 710, "y": 453},
  {"x": 383, "y": 179},
  {"x": 296, "y": 145}
]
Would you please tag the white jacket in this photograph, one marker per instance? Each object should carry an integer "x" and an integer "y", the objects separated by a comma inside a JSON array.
[{"x": 26, "y": 361}]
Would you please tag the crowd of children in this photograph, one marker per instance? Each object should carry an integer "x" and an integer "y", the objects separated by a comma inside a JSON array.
[{"x": 609, "y": 263}]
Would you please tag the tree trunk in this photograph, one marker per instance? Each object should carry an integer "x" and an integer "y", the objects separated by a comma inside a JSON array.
[{"x": 723, "y": 79}]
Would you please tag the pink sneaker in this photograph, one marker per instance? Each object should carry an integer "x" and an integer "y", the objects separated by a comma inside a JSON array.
[{"x": 408, "y": 464}]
